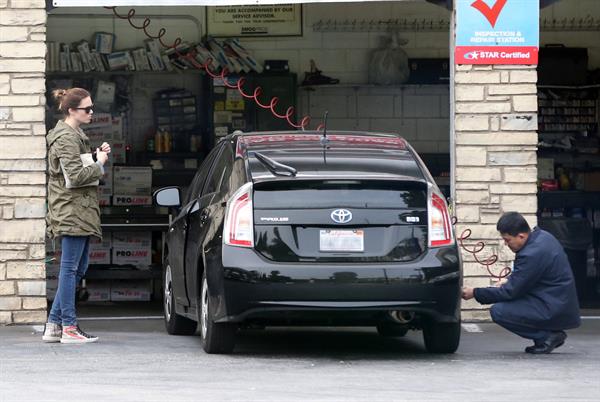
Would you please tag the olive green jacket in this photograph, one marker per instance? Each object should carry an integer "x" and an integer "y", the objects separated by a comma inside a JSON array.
[{"x": 74, "y": 211}]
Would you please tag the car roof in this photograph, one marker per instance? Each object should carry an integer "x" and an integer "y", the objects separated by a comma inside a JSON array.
[{"x": 348, "y": 155}]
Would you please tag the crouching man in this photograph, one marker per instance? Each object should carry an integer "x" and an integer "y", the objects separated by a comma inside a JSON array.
[{"x": 538, "y": 301}]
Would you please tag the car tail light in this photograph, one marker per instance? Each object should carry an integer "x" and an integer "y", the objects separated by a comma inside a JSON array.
[
  {"x": 239, "y": 222},
  {"x": 440, "y": 230}
]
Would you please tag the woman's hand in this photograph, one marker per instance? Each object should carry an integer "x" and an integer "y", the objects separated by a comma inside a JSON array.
[
  {"x": 105, "y": 147},
  {"x": 101, "y": 156}
]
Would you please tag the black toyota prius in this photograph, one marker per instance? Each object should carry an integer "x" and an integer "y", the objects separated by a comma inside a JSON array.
[{"x": 311, "y": 228}]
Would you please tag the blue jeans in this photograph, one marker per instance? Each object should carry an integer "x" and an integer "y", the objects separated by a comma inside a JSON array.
[
  {"x": 73, "y": 266},
  {"x": 537, "y": 335}
]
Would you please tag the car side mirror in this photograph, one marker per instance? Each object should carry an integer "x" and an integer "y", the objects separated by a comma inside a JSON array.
[{"x": 168, "y": 197}]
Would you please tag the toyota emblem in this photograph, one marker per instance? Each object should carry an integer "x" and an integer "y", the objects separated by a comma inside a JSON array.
[{"x": 341, "y": 216}]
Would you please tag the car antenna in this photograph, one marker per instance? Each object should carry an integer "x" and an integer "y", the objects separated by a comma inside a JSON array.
[{"x": 324, "y": 139}]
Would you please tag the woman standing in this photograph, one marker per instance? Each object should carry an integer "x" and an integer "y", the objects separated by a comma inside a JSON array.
[{"x": 73, "y": 211}]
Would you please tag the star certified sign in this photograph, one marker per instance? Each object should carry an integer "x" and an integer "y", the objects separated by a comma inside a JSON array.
[
  {"x": 497, "y": 31},
  {"x": 341, "y": 216}
]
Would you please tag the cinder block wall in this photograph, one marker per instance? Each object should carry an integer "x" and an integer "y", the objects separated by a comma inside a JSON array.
[
  {"x": 22, "y": 161},
  {"x": 420, "y": 113},
  {"x": 496, "y": 163}
]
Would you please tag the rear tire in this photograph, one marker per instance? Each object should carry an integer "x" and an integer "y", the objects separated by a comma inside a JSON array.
[
  {"x": 441, "y": 337},
  {"x": 216, "y": 338},
  {"x": 174, "y": 323},
  {"x": 388, "y": 329}
]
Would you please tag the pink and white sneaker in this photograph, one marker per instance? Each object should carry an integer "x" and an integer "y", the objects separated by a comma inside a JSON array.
[
  {"x": 52, "y": 332},
  {"x": 74, "y": 334}
]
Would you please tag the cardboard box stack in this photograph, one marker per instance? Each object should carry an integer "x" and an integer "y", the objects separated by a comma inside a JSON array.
[
  {"x": 132, "y": 248},
  {"x": 107, "y": 128},
  {"x": 99, "y": 253},
  {"x": 98, "y": 290},
  {"x": 132, "y": 185},
  {"x": 140, "y": 290},
  {"x": 100, "y": 250}
]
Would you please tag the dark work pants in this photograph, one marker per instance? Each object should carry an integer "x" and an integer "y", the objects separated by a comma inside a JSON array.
[{"x": 524, "y": 331}]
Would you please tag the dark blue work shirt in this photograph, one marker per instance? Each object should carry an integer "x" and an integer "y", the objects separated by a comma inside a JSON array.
[{"x": 540, "y": 292}]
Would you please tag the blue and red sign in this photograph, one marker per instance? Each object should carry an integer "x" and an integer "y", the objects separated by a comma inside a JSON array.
[{"x": 497, "y": 31}]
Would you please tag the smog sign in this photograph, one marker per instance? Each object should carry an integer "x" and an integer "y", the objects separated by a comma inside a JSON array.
[
  {"x": 497, "y": 31},
  {"x": 271, "y": 20}
]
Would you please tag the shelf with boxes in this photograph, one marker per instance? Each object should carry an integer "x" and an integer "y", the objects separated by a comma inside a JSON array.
[
  {"x": 564, "y": 172},
  {"x": 124, "y": 259},
  {"x": 568, "y": 110},
  {"x": 175, "y": 112},
  {"x": 121, "y": 267},
  {"x": 569, "y": 141},
  {"x": 128, "y": 259},
  {"x": 121, "y": 262},
  {"x": 231, "y": 111},
  {"x": 568, "y": 168},
  {"x": 101, "y": 56},
  {"x": 103, "y": 74}
]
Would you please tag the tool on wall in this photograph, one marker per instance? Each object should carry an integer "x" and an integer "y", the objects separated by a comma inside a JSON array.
[
  {"x": 232, "y": 83},
  {"x": 388, "y": 25}
]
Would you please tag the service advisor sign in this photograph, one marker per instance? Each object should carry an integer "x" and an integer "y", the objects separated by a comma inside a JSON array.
[
  {"x": 257, "y": 20},
  {"x": 497, "y": 32}
]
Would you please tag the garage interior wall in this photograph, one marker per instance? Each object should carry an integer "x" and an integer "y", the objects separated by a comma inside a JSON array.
[
  {"x": 419, "y": 113},
  {"x": 573, "y": 10}
]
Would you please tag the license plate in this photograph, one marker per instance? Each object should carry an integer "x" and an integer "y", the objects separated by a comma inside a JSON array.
[{"x": 342, "y": 240}]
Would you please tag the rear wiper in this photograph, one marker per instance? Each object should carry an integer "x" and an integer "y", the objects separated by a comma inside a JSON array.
[{"x": 278, "y": 169}]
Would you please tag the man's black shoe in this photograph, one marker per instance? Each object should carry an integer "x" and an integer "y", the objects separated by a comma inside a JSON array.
[
  {"x": 528, "y": 349},
  {"x": 555, "y": 340}
]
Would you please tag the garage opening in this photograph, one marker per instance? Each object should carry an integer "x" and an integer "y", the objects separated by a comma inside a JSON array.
[
  {"x": 569, "y": 141},
  {"x": 162, "y": 114}
]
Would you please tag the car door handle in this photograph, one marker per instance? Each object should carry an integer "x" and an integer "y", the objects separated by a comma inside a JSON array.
[{"x": 204, "y": 217}]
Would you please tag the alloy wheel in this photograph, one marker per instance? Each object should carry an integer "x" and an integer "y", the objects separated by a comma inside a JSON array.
[
  {"x": 168, "y": 292},
  {"x": 204, "y": 309}
]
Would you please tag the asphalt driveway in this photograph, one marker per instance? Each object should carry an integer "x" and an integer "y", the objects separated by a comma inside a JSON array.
[{"x": 136, "y": 360}]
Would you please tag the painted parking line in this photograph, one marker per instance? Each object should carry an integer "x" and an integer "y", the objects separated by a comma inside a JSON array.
[
  {"x": 139, "y": 317},
  {"x": 472, "y": 328},
  {"x": 40, "y": 328},
  {"x": 590, "y": 317}
]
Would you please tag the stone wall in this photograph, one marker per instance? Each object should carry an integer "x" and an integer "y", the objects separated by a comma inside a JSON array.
[
  {"x": 22, "y": 161},
  {"x": 496, "y": 163}
]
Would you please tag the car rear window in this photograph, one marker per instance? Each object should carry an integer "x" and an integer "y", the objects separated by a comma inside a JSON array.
[{"x": 348, "y": 193}]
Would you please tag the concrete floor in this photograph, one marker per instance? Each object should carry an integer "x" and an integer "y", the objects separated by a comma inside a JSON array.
[{"x": 136, "y": 360}]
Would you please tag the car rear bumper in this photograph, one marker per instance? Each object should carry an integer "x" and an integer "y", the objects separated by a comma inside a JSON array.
[{"x": 336, "y": 293}]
